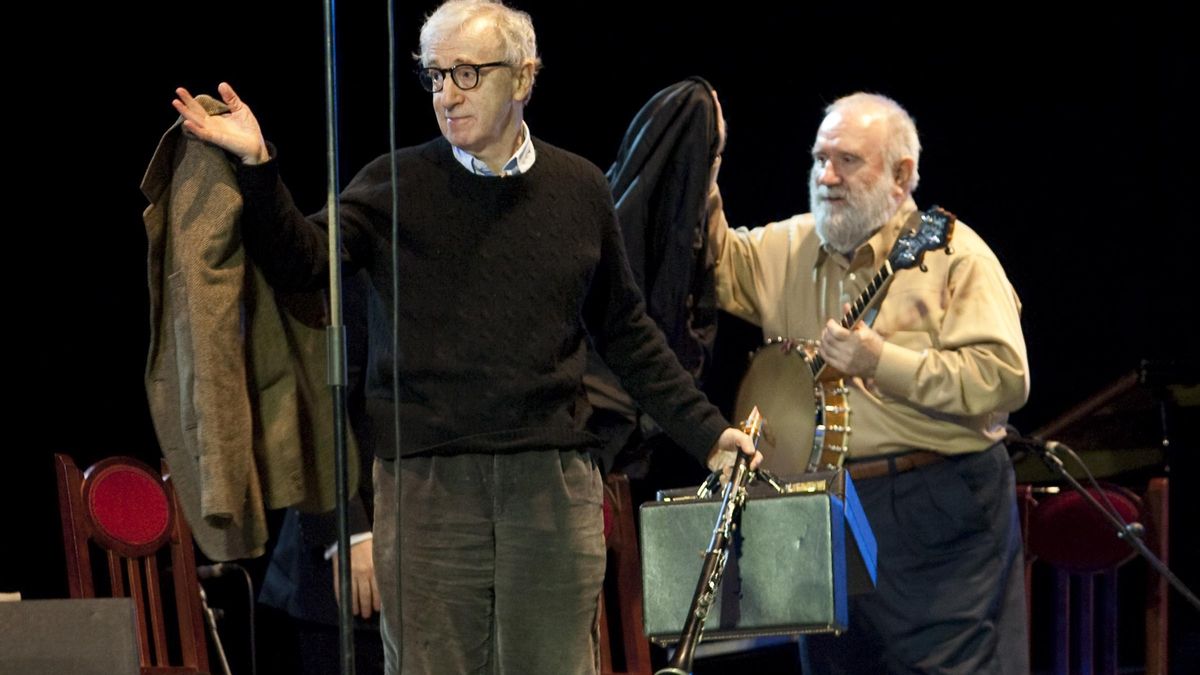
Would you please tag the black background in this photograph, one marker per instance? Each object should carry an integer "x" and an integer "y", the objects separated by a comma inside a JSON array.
[{"x": 1067, "y": 141}]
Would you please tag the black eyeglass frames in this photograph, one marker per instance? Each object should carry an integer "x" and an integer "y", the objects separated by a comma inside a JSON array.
[{"x": 465, "y": 75}]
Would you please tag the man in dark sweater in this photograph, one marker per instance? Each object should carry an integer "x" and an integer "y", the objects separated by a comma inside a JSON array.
[{"x": 510, "y": 259}]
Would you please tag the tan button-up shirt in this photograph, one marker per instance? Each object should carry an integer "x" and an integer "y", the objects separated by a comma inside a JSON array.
[{"x": 954, "y": 363}]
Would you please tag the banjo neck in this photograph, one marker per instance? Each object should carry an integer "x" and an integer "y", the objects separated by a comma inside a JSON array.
[{"x": 866, "y": 300}]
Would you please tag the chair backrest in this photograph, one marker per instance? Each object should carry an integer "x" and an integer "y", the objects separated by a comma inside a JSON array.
[
  {"x": 128, "y": 514},
  {"x": 624, "y": 648},
  {"x": 1062, "y": 531}
]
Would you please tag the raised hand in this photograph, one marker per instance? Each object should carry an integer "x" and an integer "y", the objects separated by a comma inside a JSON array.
[
  {"x": 237, "y": 131},
  {"x": 721, "y": 135}
]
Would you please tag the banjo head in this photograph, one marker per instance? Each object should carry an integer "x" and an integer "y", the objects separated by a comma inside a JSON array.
[{"x": 780, "y": 382}]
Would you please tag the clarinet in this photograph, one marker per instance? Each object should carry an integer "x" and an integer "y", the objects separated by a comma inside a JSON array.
[{"x": 718, "y": 552}]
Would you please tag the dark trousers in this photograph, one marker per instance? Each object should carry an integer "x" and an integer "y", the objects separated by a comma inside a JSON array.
[
  {"x": 319, "y": 647},
  {"x": 950, "y": 596},
  {"x": 501, "y": 562}
]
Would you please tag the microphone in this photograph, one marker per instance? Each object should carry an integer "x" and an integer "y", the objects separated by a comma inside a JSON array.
[
  {"x": 1015, "y": 438},
  {"x": 213, "y": 571},
  {"x": 1048, "y": 452},
  {"x": 1135, "y": 529}
]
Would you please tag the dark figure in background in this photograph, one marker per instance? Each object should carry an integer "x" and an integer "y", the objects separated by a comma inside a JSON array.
[
  {"x": 301, "y": 578},
  {"x": 932, "y": 384},
  {"x": 659, "y": 182},
  {"x": 488, "y": 534}
]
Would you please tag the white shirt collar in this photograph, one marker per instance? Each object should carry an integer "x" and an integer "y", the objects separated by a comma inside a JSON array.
[{"x": 519, "y": 163}]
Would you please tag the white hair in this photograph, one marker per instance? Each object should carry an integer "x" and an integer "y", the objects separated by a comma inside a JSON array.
[
  {"x": 902, "y": 140},
  {"x": 514, "y": 28}
]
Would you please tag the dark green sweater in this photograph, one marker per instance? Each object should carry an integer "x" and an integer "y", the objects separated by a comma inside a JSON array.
[{"x": 501, "y": 282}]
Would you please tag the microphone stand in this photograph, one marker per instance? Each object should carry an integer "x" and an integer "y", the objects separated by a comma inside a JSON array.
[
  {"x": 212, "y": 628},
  {"x": 336, "y": 350},
  {"x": 1130, "y": 532}
]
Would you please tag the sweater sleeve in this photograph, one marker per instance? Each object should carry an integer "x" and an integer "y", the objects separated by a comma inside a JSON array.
[
  {"x": 634, "y": 348},
  {"x": 292, "y": 249}
]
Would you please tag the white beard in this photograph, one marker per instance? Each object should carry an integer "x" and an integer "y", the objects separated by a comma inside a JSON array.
[{"x": 845, "y": 227}]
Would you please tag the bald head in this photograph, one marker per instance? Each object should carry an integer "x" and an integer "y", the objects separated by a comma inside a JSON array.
[
  {"x": 864, "y": 168},
  {"x": 889, "y": 126}
]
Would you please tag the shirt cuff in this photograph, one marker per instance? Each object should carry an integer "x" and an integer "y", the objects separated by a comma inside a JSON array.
[
  {"x": 897, "y": 369},
  {"x": 354, "y": 539}
]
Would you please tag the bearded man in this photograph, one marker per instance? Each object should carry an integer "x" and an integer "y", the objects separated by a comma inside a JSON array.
[{"x": 932, "y": 382}]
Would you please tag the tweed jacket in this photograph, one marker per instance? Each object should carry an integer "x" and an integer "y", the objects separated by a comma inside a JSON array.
[{"x": 234, "y": 375}]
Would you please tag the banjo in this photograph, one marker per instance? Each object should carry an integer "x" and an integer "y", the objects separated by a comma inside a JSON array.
[{"x": 809, "y": 404}]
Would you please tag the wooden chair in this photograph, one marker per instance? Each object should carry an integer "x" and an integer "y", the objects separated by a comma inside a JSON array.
[
  {"x": 128, "y": 514},
  {"x": 1063, "y": 532},
  {"x": 1026, "y": 503},
  {"x": 624, "y": 648}
]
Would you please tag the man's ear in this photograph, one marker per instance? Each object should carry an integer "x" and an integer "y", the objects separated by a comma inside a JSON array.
[
  {"x": 902, "y": 173},
  {"x": 523, "y": 81}
]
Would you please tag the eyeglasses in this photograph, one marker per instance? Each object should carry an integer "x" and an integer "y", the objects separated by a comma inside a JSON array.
[{"x": 465, "y": 75}]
